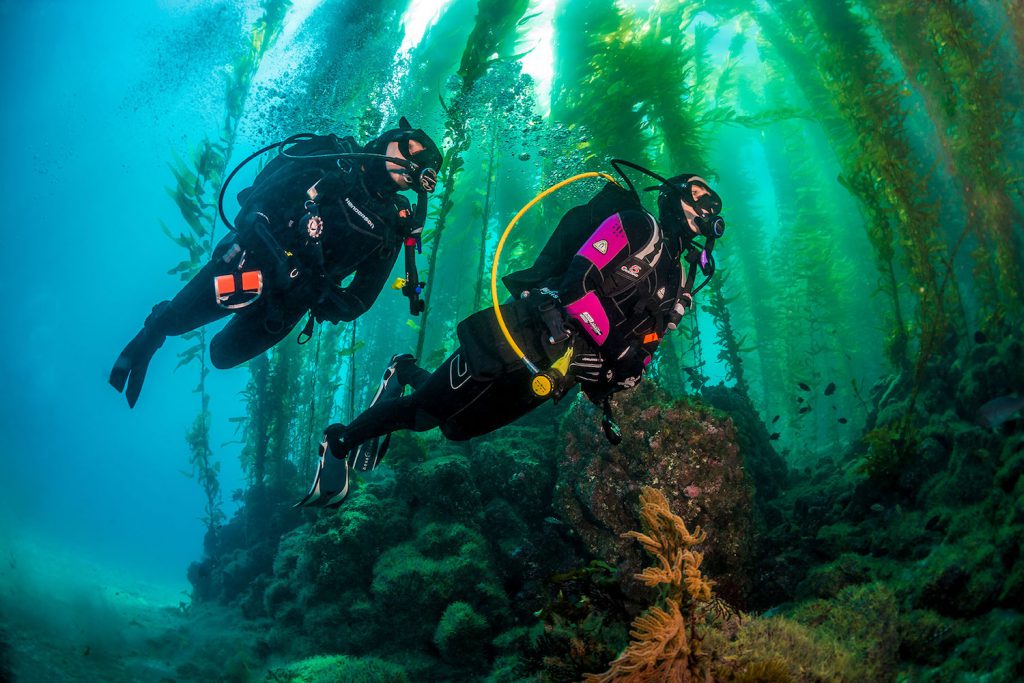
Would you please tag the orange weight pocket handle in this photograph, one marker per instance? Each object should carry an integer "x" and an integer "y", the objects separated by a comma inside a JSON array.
[{"x": 238, "y": 289}]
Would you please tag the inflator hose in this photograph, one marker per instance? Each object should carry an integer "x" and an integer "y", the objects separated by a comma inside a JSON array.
[{"x": 497, "y": 257}]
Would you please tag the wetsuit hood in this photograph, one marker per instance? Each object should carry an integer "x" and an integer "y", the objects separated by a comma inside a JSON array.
[
  {"x": 425, "y": 163},
  {"x": 687, "y": 207}
]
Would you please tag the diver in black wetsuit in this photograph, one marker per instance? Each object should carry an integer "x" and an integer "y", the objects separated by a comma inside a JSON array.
[
  {"x": 323, "y": 210},
  {"x": 602, "y": 298}
]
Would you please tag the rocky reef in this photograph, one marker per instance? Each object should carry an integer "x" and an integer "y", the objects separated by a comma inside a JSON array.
[
  {"x": 682, "y": 447},
  {"x": 451, "y": 561},
  {"x": 510, "y": 557},
  {"x": 920, "y": 523}
]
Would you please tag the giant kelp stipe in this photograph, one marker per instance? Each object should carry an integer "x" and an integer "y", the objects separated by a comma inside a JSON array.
[{"x": 819, "y": 477}]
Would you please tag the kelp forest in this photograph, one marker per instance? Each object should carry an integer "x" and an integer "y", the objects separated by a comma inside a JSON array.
[{"x": 821, "y": 475}]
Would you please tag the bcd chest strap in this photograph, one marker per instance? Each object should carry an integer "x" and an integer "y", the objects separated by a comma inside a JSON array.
[{"x": 627, "y": 276}]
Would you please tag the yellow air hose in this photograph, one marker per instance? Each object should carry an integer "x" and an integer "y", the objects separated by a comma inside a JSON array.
[{"x": 494, "y": 273}]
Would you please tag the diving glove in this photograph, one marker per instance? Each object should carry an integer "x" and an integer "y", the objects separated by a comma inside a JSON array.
[
  {"x": 628, "y": 369},
  {"x": 623, "y": 373},
  {"x": 129, "y": 371},
  {"x": 587, "y": 367}
]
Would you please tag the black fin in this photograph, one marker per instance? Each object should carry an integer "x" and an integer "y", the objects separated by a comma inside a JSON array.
[
  {"x": 129, "y": 371},
  {"x": 135, "y": 380},
  {"x": 332, "y": 493},
  {"x": 119, "y": 374},
  {"x": 367, "y": 455}
]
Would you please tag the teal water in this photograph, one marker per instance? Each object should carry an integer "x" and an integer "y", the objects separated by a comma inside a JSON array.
[
  {"x": 99, "y": 522},
  {"x": 94, "y": 115}
]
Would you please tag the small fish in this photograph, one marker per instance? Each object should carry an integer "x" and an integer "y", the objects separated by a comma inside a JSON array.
[
  {"x": 805, "y": 409},
  {"x": 979, "y": 337},
  {"x": 774, "y": 437},
  {"x": 803, "y": 386},
  {"x": 553, "y": 520},
  {"x": 776, "y": 419},
  {"x": 878, "y": 507},
  {"x": 843, "y": 420},
  {"x": 998, "y": 410},
  {"x": 830, "y": 389}
]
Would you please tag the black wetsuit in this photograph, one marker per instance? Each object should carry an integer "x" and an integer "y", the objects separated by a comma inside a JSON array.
[
  {"x": 362, "y": 237},
  {"x": 466, "y": 401}
]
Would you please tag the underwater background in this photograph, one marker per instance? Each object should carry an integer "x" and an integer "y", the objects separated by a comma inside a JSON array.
[{"x": 841, "y": 416}]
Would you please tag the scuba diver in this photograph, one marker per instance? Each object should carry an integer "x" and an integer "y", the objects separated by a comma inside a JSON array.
[
  {"x": 608, "y": 285},
  {"x": 323, "y": 210}
]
